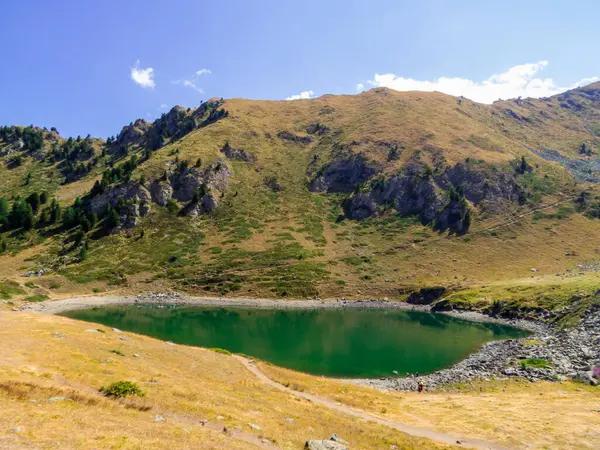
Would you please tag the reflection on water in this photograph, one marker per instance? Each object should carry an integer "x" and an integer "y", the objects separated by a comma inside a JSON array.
[{"x": 331, "y": 342}]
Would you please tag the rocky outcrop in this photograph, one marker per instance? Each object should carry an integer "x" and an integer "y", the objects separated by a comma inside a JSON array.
[
  {"x": 317, "y": 128},
  {"x": 426, "y": 295},
  {"x": 343, "y": 174},
  {"x": 483, "y": 184},
  {"x": 237, "y": 153},
  {"x": 412, "y": 192},
  {"x": 273, "y": 184},
  {"x": 291, "y": 137},
  {"x": 130, "y": 190},
  {"x": 442, "y": 199},
  {"x": 185, "y": 184},
  {"x": 455, "y": 216},
  {"x": 207, "y": 204},
  {"x": 161, "y": 192},
  {"x": 132, "y": 133},
  {"x": 360, "y": 206},
  {"x": 216, "y": 176}
]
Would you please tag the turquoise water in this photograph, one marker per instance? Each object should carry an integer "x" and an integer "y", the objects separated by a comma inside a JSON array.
[{"x": 330, "y": 342}]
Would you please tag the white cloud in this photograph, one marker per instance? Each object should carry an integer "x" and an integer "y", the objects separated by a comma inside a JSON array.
[
  {"x": 203, "y": 72},
  {"x": 143, "y": 77},
  {"x": 518, "y": 81},
  {"x": 302, "y": 95},
  {"x": 163, "y": 106},
  {"x": 191, "y": 85},
  {"x": 360, "y": 87}
]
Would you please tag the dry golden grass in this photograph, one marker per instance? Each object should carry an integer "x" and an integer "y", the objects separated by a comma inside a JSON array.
[
  {"x": 516, "y": 414},
  {"x": 48, "y": 356}
]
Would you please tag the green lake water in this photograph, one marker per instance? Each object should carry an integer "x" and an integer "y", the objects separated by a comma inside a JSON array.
[{"x": 331, "y": 342}]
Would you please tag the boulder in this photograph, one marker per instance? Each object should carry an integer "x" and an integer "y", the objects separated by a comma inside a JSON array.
[
  {"x": 237, "y": 153},
  {"x": 161, "y": 192},
  {"x": 216, "y": 175},
  {"x": 324, "y": 445},
  {"x": 273, "y": 184}
]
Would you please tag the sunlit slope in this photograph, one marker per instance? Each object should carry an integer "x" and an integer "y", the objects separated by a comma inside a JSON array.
[
  {"x": 51, "y": 373},
  {"x": 276, "y": 233}
]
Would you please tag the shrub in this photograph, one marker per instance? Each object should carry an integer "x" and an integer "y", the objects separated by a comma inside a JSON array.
[
  {"x": 120, "y": 389},
  {"x": 172, "y": 206},
  {"x": 117, "y": 352}
]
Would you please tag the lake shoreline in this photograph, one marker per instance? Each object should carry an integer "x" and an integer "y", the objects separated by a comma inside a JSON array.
[
  {"x": 173, "y": 298},
  {"x": 567, "y": 352}
]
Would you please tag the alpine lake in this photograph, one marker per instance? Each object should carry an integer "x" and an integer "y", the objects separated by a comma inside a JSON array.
[{"x": 343, "y": 343}]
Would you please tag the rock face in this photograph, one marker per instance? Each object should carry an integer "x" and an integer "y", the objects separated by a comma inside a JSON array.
[
  {"x": 483, "y": 184},
  {"x": 411, "y": 192},
  {"x": 440, "y": 199},
  {"x": 426, "y": 296},
  {"x": 343, "y": 174},
  {"x": 185, "y": 184},
  {"x": 216, "y": 176},
  {"x": 207, "y": 204},
  {"x": 130, "y": 190}
]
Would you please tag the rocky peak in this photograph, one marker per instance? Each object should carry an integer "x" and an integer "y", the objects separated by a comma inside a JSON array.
[{"x": 132, "y": 133}]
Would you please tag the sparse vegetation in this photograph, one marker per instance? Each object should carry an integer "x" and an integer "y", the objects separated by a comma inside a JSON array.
[
  {"x": 533, "y": 363},
  {"x": 120, "y": 389}
]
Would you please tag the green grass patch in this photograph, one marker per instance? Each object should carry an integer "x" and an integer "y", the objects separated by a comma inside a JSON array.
[
  {"x": 220, "y": 350},
  {"x": 10, "y": 288},
  {"x": 36, "y": 298},
  {"x": 534, "y": 363}
]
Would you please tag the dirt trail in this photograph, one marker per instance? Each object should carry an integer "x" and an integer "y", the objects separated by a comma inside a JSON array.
[
  {"x": 436, "y": 436},
  {"x": 179, "y": 419}
]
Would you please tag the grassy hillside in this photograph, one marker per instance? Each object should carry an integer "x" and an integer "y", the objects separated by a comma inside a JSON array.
[
  {"x": 282, "y": 227},
  {"x": 53, "y": 369},
  {"x": 51, "y": 374}
]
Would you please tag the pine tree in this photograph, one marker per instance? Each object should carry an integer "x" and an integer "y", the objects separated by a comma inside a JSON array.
[
  {"x": 55, "y": 212},
  {"x": 34, "y": 201},
  {"x": 113, "y": 220},
  {"x": 3, "y": 207},
  {"x": 3, "y": 245}
]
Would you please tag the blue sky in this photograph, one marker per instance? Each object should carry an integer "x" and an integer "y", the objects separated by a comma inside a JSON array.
[{"x": 69, "y": 64}]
